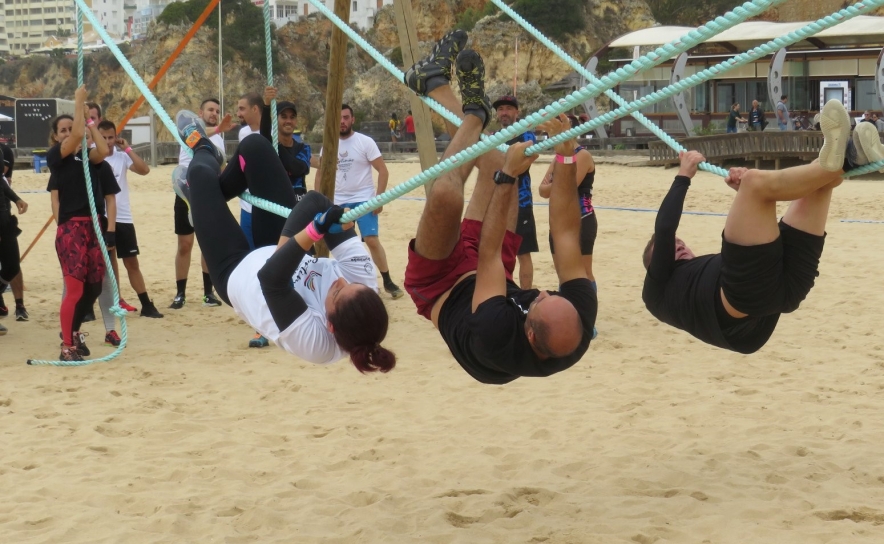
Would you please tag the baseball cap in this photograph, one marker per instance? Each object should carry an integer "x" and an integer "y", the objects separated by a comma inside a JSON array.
[
  {"x": 285, "y": 105},
  {"x": 506, "y": 100}
]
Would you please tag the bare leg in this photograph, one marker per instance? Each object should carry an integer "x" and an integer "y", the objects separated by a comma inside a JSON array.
[
  {"x": 526, "y": 271},
  {"x": 378, "y": 255},
  {"x": 752, "y": 218},
  {"x": 182, "y": 257},
  {"x": 809, "y": 214},
  {"x": 439, "y": 227},
  {"x": 445, "y": 96},
  {"x": 136, "y": 279},
  {"x": 18, "y": 286}
]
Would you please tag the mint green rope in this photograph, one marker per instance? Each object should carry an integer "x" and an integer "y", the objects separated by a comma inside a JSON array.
[
  {"x": 774, "y": 45},
  {"x": 96, "y": 225},
  {"x": 647, "y": 61},
  {"x": 589, "y": 76},
  {"x": 389, "y": 66},
  {"x": 269, "y": 51}
]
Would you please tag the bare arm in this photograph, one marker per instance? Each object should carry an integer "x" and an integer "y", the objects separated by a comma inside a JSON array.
[
  {"x": 490, "y": 274},
  {"x": 98, "y": 153},
  {"x": 383, "y": 177},
  {"x": 564, "y": 210},
  {"x": 78, "y": 127},
  {"x": 138, "y": 165},
  {"x": 316, "y": 180},
  {"x": 110, "y": 204}
]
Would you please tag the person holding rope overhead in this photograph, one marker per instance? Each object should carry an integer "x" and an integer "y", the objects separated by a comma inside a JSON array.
[
  {"x": 459, "y": 272},
  {"x": 79, "y": 252},
  {"x": 318, "y": 309},
  {"x": 733, "y": 299}
]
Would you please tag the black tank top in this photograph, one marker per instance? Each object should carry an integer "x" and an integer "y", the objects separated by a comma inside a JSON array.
[{"x": 585, "y": 186}]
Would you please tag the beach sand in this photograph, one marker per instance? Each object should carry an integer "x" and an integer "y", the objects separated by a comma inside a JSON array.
[{"x": 191, "y": 437}]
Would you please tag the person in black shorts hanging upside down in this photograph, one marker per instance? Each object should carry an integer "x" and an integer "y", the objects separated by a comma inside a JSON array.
[
  {"x": 734, "y": 299},
  {"x": 459, "y": 273}
]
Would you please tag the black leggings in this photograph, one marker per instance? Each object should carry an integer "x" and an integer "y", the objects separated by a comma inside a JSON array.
[
  {"x": 254, "y": 166},
  {"x": 9, "y": 251}
]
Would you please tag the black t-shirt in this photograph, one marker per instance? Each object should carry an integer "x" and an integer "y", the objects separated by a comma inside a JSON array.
[
  {"x": 683, "y": 293},
  {"x": 8, "y": 160},
  {"x": 67, "y": 177},
  {"x": 732, "y": 118},
  {"x": 7, "y": 200},
  {"x": 491, "y": 344},
  {"x": 295, "y": 159}
]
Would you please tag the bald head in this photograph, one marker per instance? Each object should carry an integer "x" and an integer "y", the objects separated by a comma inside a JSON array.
[{"x": 553, "y": 326}]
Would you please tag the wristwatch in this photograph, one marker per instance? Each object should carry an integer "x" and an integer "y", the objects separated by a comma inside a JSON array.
[{"x": 501, "y": 178}]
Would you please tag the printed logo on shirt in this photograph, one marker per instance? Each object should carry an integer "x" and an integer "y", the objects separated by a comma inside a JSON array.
[
  {"x": 310, "y": 280},
  {"x": 369, "y": 269}
]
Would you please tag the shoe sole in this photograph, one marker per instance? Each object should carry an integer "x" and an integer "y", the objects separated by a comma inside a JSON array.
[
  {"x": 396, "y": 294},
  {"x": 835, "y": 125},
  {"x": 17, "y": 318},
  {"x": 868, "y": 140}
]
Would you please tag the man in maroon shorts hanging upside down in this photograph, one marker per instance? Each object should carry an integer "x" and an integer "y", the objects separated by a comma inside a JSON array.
[{"x": 459, "y": 273}]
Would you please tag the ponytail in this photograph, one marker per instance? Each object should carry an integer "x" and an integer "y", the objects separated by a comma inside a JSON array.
[{"x": 360, "y": 325}]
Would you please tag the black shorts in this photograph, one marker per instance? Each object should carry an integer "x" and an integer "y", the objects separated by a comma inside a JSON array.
[
  {"x": 127, "y": 242},
  {"x": 526, "y": 228},
  {"x": 771, "y": 278},
  {"x": 182, "y": 223},
  {"x": 589, "y": 229}
]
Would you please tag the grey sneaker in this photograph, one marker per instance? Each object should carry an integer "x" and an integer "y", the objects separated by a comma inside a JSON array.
[
  {"x": 192, "y": 130},
  {"x": 437, "y": 63},
  {"x": 835, "y": 124},
  {"x": 182, "y": 189},
  {"x": 868, "y": 144},
  {"x": 471, "y": 78},
  {"x": 3, "y": 330}
]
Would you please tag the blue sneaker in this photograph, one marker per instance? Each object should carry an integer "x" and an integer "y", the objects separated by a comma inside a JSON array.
[
  {"x": 258, "y": 341},
  {"x": 192, "y": 130}
]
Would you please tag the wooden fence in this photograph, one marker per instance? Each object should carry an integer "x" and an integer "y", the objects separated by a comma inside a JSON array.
[{"x": 758, "y": 146}]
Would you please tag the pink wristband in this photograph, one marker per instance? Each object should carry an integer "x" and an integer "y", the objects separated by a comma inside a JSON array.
[
  {"x": 128, "y": 150},
  {"x": 312, "y": 233}
]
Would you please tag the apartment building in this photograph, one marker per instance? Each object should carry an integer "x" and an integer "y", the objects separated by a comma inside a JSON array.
[
  {"x": 362, "y": 12},
  {"x": 145, "y": 12},
  {"x": 29, "y": 23}
]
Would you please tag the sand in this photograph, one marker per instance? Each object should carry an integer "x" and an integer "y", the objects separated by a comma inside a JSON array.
[{"x": 190, "y": 436}]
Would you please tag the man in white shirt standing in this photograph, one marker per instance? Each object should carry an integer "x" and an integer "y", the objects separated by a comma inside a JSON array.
[
  {"x": 210, "y": 112},
  {"x": 357, "y": 155},
  {"x": 248, "y": 109},
  {"x": 121, "y": 159}
]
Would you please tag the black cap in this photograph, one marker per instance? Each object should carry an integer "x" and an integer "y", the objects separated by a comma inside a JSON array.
[
  {"x": 285, "y": 105},
  {"x": 506, "y": 100}
]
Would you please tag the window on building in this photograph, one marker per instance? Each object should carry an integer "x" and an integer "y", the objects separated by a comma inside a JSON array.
[
  {"x": 354, "y": 7},
  {"x": 865, "y": 96}
]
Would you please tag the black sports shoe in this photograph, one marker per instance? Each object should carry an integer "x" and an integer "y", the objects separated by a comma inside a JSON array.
[
  {"x": 394, "y": 290},
  {"x": 89, "y": 316},
  {"x": 69, "y": 354},
  {"x": 471, "y": 78},
  {"x": 21, "y": 314},
  {"x": 80, "y": 343},
  {"x": 149, "y": 310},
  {"x": 4, "y": 311},
  {"x": 192, "y": 130},
  {"x": 211, "y": 300},
  {"x": 178, "y": 302},
  {"x": 437, "y": 63}
]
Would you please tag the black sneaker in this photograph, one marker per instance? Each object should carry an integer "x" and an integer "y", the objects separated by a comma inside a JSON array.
[
  {"x": 437, "y": 63},
  {"x": 149, "y": 310},
  {"x": 4, "y": 311},
  {"x": 21, "y": 314},
  {"x": 178, "y": 302},
  {"x": 89, "y": 316},
  {"x": 394, "y": 290},
  {"x": 211, "y": 300},
  {"x": 192, "y": 130},
  {"x": 471, "y": 78}
]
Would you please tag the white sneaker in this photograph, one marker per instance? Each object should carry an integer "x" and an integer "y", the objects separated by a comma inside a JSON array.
[
  {"x": 835, "y": 124},
  {"x": 868, "y": 143}
]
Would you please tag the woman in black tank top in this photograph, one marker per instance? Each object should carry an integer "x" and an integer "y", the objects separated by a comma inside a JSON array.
[{"x": 588, "y": 223}]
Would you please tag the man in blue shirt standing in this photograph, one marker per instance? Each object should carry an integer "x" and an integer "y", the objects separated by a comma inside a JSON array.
[{"x": 507, "y": 108}]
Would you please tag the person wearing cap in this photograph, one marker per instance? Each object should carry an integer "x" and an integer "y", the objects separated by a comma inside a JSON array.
[
  {"x": 507, "y": 108},
  {"x": 294, "y": 154}
]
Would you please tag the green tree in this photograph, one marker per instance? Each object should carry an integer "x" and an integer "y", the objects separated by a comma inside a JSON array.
[{"x": 687, "y": 12}]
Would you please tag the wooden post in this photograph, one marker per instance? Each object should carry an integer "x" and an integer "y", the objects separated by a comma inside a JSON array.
[
  {"x": 334, "y": 97},
  {"x": 423, "y": 126}
]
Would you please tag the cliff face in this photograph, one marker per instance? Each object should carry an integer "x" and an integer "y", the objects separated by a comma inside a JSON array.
[{"x": 302, "y": 71}]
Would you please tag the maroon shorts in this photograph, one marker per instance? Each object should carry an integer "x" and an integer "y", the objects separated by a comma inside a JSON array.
[
  {"x": 79, "y": 251},
  {"x": 426, "y": 279}
]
